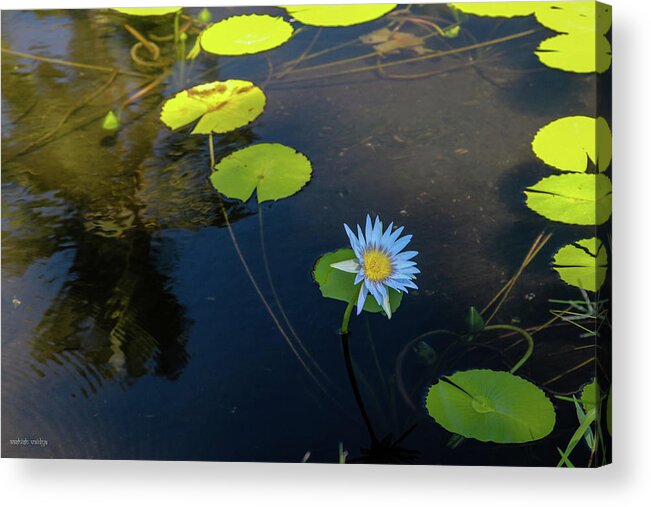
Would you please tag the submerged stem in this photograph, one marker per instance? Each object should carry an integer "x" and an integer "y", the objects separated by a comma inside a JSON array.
[
  {"x": 521, "y": 332},
  {"x": 345, "y": 346}
]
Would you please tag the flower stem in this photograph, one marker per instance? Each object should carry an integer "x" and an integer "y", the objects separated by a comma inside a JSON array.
[
  {"x": 345, "y": 346},
  {"x": 521, "y": 332}
]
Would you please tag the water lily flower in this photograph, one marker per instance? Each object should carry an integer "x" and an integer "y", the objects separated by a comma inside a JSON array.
[{"x": 380, "y": 264}]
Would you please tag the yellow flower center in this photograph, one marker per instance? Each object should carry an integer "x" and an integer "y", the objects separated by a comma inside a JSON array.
[{"x": 377, "y": 265}]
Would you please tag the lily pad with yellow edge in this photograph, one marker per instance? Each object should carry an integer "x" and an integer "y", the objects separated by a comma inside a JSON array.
[
  {"x": 274, "y": 170},
  {"x": 568, "y": 143},
  {"x": 240, "y": 35},
  {"x": 337, "y": 15},
  {"x": 149, "y": 11},
  {"x": 220, "y": 106},
  {"x": 491, "y": 406},
  {"x": 573, "y": 198},
  {"x": 582, "y": 264},
  {"x": 497, "y": 9}
]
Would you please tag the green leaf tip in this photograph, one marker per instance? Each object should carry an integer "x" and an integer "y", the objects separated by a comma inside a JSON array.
[{"x": 110, "y": 121}]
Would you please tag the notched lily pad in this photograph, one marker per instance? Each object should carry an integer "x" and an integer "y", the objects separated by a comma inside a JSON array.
[
  {"x": 576, "y": 52},
  {"x": 581, "y": 199},
  {"x": 222, "y": 106},
  {"x": 340, "y": 285},
  {"x": 582, "y": 46},
  {"x": 149, "y": 11},
  {"x": 568, "y": 143},
  {"x": 337, "y": 15},
  {"x": 274, "y": 170},
  {"x": 497, "y": 9},
  {"x": 240, "y": 35},
  {"x": 583, "y": 264},
  {"x": 491, "y": 406}
]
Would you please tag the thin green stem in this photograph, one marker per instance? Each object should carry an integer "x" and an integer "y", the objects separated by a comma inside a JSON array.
[
  {"x": 212, "y": 152},
  {"x": 521, "y": 332}
]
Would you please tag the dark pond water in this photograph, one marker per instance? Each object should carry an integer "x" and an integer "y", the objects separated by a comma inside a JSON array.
[{"x": 129, "y": 327}]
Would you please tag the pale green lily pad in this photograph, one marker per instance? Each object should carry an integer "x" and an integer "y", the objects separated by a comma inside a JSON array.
[
  {"x": 573, "y": 17},
  {"x": 580, "y": 52},
  {"x": 497, "y": 9},
  {"x": 340, "y": 285},
  {"x": 590, "y": 397},
  {"x": 581, "y": 199},
  {"x": 240, "y": 35},
  {"x": 337, "y": 15},
  {"x": 583, "y": 264},
  {"x": 568, "y": 143},
  {"x": 149, "y": 11},
  {"x": 274, "y": 170},
  {"x": 491, "y": 406},
  {"x": 222, "y": 106}
]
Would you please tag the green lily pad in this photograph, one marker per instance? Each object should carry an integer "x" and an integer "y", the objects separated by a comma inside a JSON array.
[
  {"x": 275, "y": 170},
  {"x": 149, "y": 11},
  {"x": 240, "y": 35},
  {"x": 582, "y": 47},
  {"x": 497, "y": 9},
  {"x": 583, "y": 264},
  {"x": 590, "y": 397},
  {"x": 568, "y": 143},
  {"x": 582, "y": 199},
  {"x": 340, "y": 285},
  {"x": 222, "y": 106},
  {"x": 491, "y": 406},
  {"x": 337, "y": 15},
  {"x": 580, "y": 52},
  {"x": 573, "y": 17}
]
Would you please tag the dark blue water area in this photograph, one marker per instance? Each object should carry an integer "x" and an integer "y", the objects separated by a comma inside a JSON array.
[{"x": 130, "y": 328}]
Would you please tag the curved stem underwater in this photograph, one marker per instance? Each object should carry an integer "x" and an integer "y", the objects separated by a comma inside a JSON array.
[
  {"x": 522, "y": 333},
  {"x": 258, "y": 291}
]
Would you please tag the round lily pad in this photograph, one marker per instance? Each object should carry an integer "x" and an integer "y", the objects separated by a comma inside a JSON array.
[
  {"x": 582, "y": 199},
  {"x": 222, "y": 106},
  {"x": 149, "y": 11},
  {"x": 491, "y": 406},
  {"x": 580, "y": 52},
  {"x": 275, "y": 170},
  {"x": 583, "y": 264},
  {"x": 497, "y": 9},
  {"x": 340, "y": 285},
  {"x": 338, "y": 15},
  {"x": 568, "y": 143},
  {"x": 240, "y": 35}
]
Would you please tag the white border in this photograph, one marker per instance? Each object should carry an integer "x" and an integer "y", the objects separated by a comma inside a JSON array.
[{"x": 104, "y": 483}]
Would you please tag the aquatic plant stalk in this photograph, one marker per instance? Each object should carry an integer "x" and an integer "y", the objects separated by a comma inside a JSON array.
[
  {"x": 524, "y": 334},
  {"x": 258, "y": 291},
  {"x": 345, "y": 346},
  {"x": 74, "y": 64},
  {"x": 281, "y": 309},
  {"x": 403, "y": 61}
]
